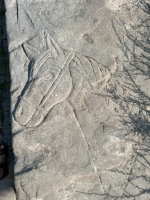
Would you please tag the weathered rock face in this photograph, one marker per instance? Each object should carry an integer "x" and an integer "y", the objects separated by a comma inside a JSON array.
[{"x": 76, "y": 68}]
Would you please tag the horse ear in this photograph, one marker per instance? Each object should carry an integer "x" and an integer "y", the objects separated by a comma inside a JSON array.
[
  {"x": 55, "y": 49},
  {"x": 30, "y": 51},
  {"x": 51, "y": 46}
]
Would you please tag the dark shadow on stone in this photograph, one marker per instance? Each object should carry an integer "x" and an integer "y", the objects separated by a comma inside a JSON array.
[{"x": 5, "y": 110}]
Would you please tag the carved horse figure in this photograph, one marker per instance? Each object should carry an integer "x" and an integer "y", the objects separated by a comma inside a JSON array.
[{"x": 54, "y": 75}]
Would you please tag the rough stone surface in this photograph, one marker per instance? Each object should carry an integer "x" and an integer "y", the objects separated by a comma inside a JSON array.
[{"x": 80, "y": 98}]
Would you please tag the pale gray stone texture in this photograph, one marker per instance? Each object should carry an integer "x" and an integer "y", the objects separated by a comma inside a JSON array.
[{"x": 78, "y": 118}]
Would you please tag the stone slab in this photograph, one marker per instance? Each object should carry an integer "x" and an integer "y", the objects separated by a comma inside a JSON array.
[{"x": 77, "y": 112}]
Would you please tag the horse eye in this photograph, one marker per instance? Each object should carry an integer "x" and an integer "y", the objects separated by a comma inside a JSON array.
[
  {"x": 48, "y": 76},
  {"x": 51, "y": 76}
]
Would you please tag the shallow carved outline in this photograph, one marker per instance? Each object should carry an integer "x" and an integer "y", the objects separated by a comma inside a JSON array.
[{"x": 69, "y": 63}]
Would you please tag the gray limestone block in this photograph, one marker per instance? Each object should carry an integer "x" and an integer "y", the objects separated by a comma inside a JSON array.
[{"x": 74, "y": 99}]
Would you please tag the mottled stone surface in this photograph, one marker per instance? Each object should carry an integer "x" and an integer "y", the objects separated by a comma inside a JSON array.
[{"x": 80, "y": 98}]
